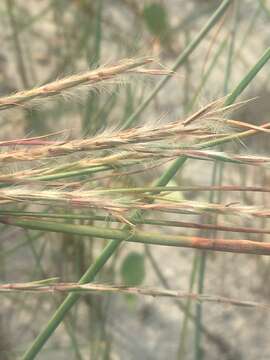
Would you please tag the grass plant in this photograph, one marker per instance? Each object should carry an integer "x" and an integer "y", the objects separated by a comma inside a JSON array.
[{"x": 83, "y": 194}]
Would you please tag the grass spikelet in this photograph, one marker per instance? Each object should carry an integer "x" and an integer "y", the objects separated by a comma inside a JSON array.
[
  {"x": 144, "y": 139},
  {"x": 117, "y": 204},
  {"x": 90, "y": 79},
  {"x": 118, "y": 149}
]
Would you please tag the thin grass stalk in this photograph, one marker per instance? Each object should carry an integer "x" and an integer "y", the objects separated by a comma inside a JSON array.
[
  {"x": 22, "y": 193},
  {"x": 248, "y": 78},
  {"x": 181, "y": 59},
  {"x": 69, "y": 327},
  {"x": 202, "y": 261},
  {"x": 131, "y": 156},
  {"x": 220, "y": 342},
  {"x": 250, "y": 29},
  {"x": 265, "y": 8},
  {"x": 127, "y": 160},
  {"x": 97, "y": 288},
  {"x": 59, "y": 173},
  {"x": 92, "y": 101},
  {"x": 144, "y": 221},
  {"x": 203, "y": 258},
  {"x": 90, "y": 200},
  {"x": 184, "y": 328},
  {"x": 206, "y": 75},
  {"x": 17, "y": 44},
  {"x": 223, "y": 245}
]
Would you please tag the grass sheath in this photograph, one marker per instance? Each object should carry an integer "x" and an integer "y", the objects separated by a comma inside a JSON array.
[
  {"x": 133, "y": 235},
  {"x": 146, "y": 221}
]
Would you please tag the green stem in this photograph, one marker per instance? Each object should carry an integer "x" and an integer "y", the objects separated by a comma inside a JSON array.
[
  {"x": 184, "y": 330},
  {"x": 17, "y": 44},
  {"x": 199, "y": 355},
  {"x": 201, "y": 270},
  {"x": 206, "y": 75},
  {"x": 133, "y": 235},
  {"x": 248, "y": 78},
  {"x": 181, "y": 59}
]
